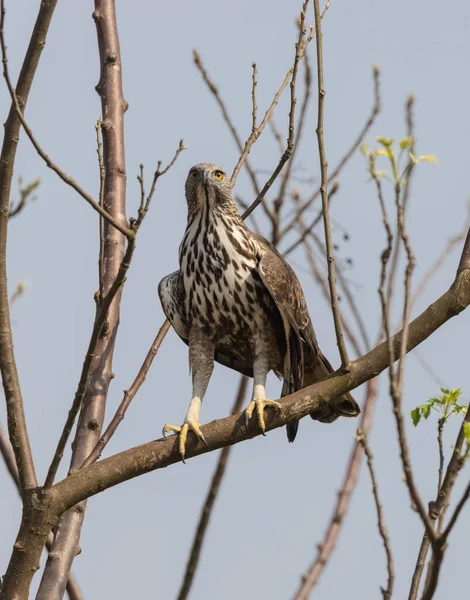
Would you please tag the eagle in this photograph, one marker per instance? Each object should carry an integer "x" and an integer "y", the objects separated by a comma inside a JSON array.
[{"x": 236, "y": 300}]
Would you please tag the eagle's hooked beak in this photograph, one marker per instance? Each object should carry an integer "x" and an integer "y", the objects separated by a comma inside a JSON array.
[{"x": 204, "y": 175}]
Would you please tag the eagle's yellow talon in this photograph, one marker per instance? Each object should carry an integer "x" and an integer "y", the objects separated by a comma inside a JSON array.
[
  {"x": 183, "y": 434},
  {"x": 259, "y": 404}
]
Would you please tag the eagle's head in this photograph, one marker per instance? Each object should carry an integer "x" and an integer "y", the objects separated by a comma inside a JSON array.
[{"x": 209, "y": 186}]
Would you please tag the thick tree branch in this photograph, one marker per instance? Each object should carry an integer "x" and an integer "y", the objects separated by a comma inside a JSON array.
[
  {"x": 113, "y": 106},
  {"x": 229, "y": 431},
  {"x": 73, "y": 589}
]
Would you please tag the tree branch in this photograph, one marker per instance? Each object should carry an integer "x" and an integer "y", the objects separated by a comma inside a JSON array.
[
  {"x": 208, "y": 505},
  {"x": 327, "y": 546},
  {"x": 387, "y": 592},
  {"x": 229, "y": 431},
  {"x": 65, "y": 178},
  {"x": 116, "y": 261},
  {"x": 73, "y": 589},
  {"x": 128, "y": 397},
  {"x": 357, "y": 142},
  {"x": 345, "y": 362},
  {"x": 11, "y": 385}
]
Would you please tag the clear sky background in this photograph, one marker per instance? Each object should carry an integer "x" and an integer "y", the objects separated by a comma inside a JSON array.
[{"x": 276, "y": 499}]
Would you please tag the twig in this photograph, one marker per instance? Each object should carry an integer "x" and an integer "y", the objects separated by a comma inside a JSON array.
[
  {"x": 345, "y": 362},
  {"x": 396, "y": 377},
  {"x": 209, "y": 502},
  {"x": 128, "y": 397},
  {"x": 215, "y": 92},
  {"x": 253, "y": 96},
  {"x": 307, "y": 229},
  {"x": 300, "y": 48},
  {"x": 362, "y": 440},
  {"x": 328, "y": 544},
  {"x": 326, "y": 294},
  {"x": 99, "y": 151},
  {"x": 65, "y": 178},
  {"x": 279, "y": 201},
  {"x": 440, "y": 429},
  {"x": 20, "y": 290},
  {"x": 14, "y": 400},
  {"x": 339, "y": 167},
  {"x": 349, "y": 298},
  {"x": 406, "y": 186},
  {"x": 25, "y": 196}
]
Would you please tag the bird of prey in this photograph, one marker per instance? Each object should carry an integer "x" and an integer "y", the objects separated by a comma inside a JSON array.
[{"x": 236, "y": 300}]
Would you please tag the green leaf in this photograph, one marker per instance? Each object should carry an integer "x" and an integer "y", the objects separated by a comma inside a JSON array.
[
  {"x": 416, "y": 415},
  {"x": 426, "y": 410}
]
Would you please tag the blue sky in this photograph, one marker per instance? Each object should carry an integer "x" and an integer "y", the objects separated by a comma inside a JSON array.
[{"x": 276, "y": 498}]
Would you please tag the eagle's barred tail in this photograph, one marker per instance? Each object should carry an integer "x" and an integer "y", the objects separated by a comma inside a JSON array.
[{"x": 343, "y": 406}]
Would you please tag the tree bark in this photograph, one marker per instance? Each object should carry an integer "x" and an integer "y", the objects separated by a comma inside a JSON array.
[{"x": 67, "y": 538}]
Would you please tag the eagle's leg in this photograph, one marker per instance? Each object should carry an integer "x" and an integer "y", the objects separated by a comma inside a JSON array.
[
  {"x": 201, "y": 361},
  {"x": 259, "y": 400}
]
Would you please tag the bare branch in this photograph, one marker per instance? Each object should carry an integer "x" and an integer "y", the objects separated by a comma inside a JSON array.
[
  {"x": 342, "y": 163},
  {"x": 326, "y": 547},
  {"x": 345, "y": 362},
  {"x": 65, "y": 178},
  {"x": 300, "y": 48},
  {"x": 11, "y": 385},
  {"x": 362, "y": 440},
  {"x": 26, "y": 195},
  {"x": 253, "y": 96},
  {"x": 96, "y": 378},
  {"x": 228, "y": 431},
  {"x": 128, "y": 396},
  {"x": 238, "y": 141},
  {"x": 209, "y": 502},
  {"x": 406, "y": 187},
  {"x": 99, "y": 151},
  {"x": 307, "y": 229}
]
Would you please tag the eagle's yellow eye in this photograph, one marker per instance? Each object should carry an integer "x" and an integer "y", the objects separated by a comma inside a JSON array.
[{"x": 218, "y": 175}]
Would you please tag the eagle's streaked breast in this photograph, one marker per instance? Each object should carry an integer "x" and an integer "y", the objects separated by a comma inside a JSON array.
[{"x": 218, "y": 262}]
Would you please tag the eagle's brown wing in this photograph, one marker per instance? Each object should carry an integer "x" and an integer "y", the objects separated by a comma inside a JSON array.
[{"x": 304, "y": 364}]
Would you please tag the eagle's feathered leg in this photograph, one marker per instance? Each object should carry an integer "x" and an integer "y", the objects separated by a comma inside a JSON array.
[
  {"x": 261, "y": 368},
  {"x": 201, "y": 362}
]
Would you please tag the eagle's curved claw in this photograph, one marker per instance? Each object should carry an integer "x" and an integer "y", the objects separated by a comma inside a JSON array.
[
  {"x": 259, "y": 404},
  {"x": 193, "y": 426}
]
